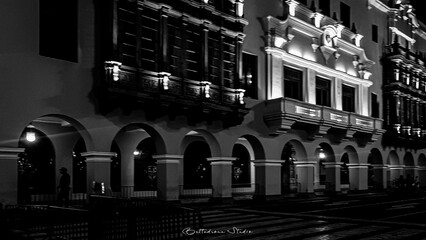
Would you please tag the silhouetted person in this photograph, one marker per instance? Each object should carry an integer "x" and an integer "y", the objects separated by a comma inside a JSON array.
[{"x": 64, "y": 188}]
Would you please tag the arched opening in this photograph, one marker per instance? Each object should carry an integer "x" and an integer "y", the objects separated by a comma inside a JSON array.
[
  {"x": 79, "y": 169},
  {"x": 376, "y": 170},
  {"x": 395, "y": 169},
  {"x": 145, "y": 170},
  {"x": 241, "y": 166},
  {"x": 36, "y": 165},
  {"x": 116, "y": 168},
  {"x": 197, "y": 170},
  {"x": 288, "y": 174},
  {"x": 344, "y": 170},
  {"x": 409, "y": 169},
  {"x": 325, "y": 155}
]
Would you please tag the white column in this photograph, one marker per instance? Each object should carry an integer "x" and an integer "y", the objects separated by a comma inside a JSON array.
[
  {"x": 337, "y": 94},
  {"x": 268, "y": 178},
  {"x": 168, "y": 176},
  {"x": 276, "y": 73},
  {"x": 9, "y": 175},
  {"x": 98, "y": 169},
  {"x": 310, "y": 94},
  {"x": 332, "y": 178},
  {"x": 305, "y": 176},
  {"x": 363, "y": 102},
  {"x": 221, "y": 176},
  {"x": 358, "y": 176}
]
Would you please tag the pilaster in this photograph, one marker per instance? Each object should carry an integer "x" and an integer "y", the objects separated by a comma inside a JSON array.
[
  {"x": 221, "y": 177},
  {"x": 98, "y": 171},
  {"x": 9, "y": 175},
  {"x": 267, "y": 178},
  {"x": 168, "y": 176}
]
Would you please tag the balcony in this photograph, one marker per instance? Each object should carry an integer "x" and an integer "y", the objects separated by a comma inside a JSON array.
[
  {"x": 160, "y": 93},
  {"x": 284, "y": 114},
  {"x": 395, "y": 50}
]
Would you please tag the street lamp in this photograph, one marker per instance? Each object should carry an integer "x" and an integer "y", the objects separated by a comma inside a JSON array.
[
  {"x": 30, "y": 134},
  {"x": 321, "y": 154}
]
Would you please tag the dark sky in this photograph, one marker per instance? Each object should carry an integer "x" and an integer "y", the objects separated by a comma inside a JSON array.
[{"x": 420, "y": 9}]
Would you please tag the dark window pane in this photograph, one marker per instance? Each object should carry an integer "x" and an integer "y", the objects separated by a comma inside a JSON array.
[
  {"x": 58, "y": 29},
  {"x": 374, "y": 33},
  {"x": 374, "y": 105},
  {"x": 250, "y": 75},
  {"x": 293, "y": 83},
  {"x": 345, "y": 14},
  {"x": 323, "y": 92},
  {"x": 324, "y": 5},
  {"x": 348, "y": 98}
]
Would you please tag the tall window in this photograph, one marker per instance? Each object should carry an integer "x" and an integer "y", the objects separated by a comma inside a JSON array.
[
  {"x": 348, "y": 98},
  {"x": 345, "y": 14},
  {"x": 374, "y": 33},
  {"x": 58, "y": 29},
  {"x": 374, "y": 106},
  {"x": 323, "y": 92},
  {"x": 250, "y": 75},
  {"x": 293, "y": 83},
  {"x": 324, "y": 5}
]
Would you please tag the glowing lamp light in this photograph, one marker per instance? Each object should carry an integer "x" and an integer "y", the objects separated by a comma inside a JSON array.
[
  {"x": 205, "y": 88},
  {"x": 239, "y": 95},
  {"x": 240, "y": 8},
  {"x": 292, "y": 7},
  {"x": 113, "y": 67},
  {"x": 30, "y": 134},
  {"x": 164, "y": 80},
  {"x": 321, "y": 154},
  {"x": 136, "y": 153},
  {"x": 279, "y": 41}
]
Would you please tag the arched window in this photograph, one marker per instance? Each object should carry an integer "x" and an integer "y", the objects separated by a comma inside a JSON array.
[
  {"x": 241, "y": 166},
  {"x": 145, "y": 166},
  {"x": 79, "y": 167},
  {"x": 36, "y": 173},
  {"x": 197, "y": 170}
]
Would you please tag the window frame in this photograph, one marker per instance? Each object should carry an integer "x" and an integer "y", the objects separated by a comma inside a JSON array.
[{"x": 287, "y": 81}]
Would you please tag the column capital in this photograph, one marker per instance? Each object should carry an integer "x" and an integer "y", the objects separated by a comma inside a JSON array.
[
  {"x": 168, "y": 158},
  {"x": 221, "y": 160},
  {"x": 7, "y": 153},
  {"x": 396, "y": 166},
  {"x": 358, "y": 165},
  {"x": 421, "y": 168},
  {"x": 332, "y": 164},
  {"x": 267, "y": 162},
  {"x": 95, "y": 156},
  {"x": 306, "y": 162}
]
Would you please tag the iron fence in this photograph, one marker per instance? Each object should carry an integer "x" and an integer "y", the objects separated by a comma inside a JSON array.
[{"x": 105, "y": 218}]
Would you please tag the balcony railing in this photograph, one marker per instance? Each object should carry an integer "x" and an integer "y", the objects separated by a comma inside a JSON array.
[
  {"x": 395, "y": 49},
  {"x": 282, "y": 113}
]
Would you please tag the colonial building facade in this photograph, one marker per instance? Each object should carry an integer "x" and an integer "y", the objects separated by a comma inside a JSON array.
[{"x": 171, "y": 99}]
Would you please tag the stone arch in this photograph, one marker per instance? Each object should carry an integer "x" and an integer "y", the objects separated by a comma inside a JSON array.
[
  {"x": 377, "y": 172},
  {"x": 202, "y": 135},
  {"x": 352, "y": 154},
  {"x": 65, "y": 133},
  {"x": 375, "y": 157},
  {"x": 408, "y": 159},
  {"x": 128, "y": 167},
  {"x": 393, "y": 158},
  {"x": 421, "y": 160}
]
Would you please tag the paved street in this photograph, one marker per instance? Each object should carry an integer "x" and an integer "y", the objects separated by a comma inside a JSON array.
[{"x": 364, "y": 216}]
